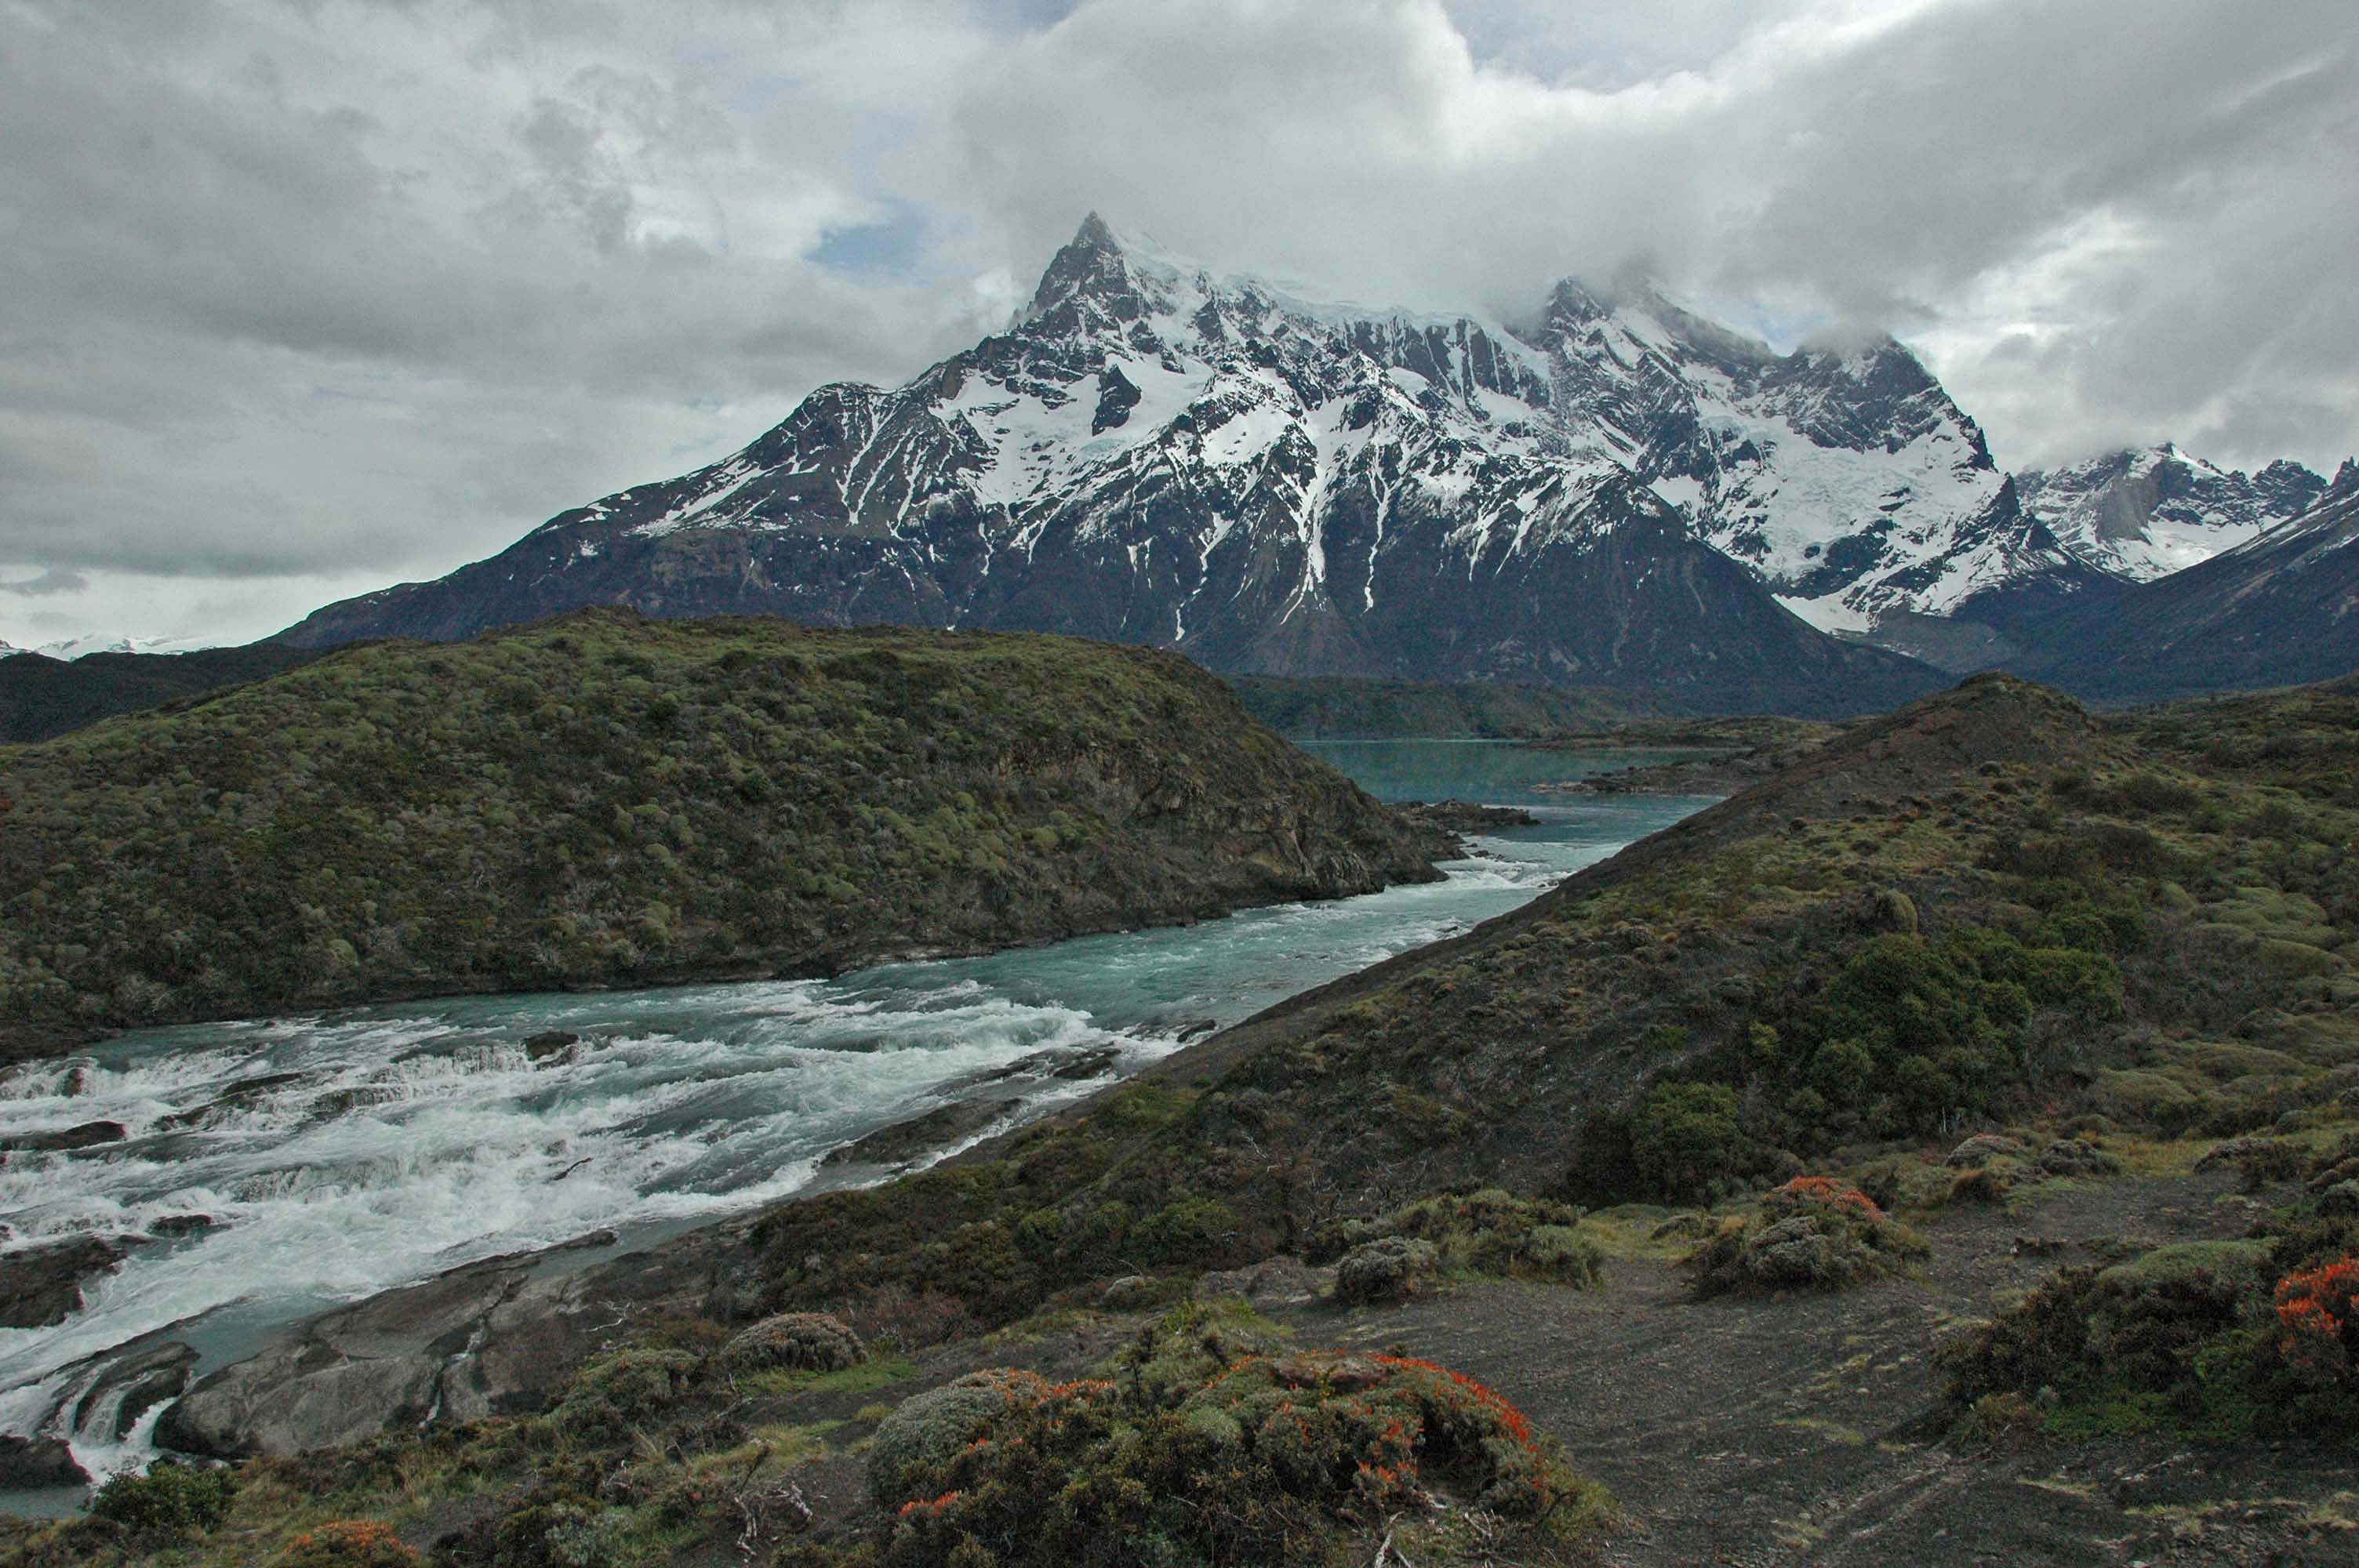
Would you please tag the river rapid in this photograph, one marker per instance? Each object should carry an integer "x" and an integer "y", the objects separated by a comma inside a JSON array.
[{"x": 274, "y": 1168}]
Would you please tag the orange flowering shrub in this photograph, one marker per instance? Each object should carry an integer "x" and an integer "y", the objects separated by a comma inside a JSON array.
[
  {"x": 349, "y": 1543},
  {"x": 1823, "y": 1190},
  {"x": 1271, "y": 1454},
  {"x": 2318, "y": 1309}
]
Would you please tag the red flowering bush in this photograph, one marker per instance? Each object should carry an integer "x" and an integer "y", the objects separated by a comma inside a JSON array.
[
  {"x": 349, "y": 1543},
  {"x": 1261, "y": 1461},
  {"x": 1804, "y": 1191},
  {"x": 2319, "y": 1310},
  {"x": 1812, "y": 1233}
]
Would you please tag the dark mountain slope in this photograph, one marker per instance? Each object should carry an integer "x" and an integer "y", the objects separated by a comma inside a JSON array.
[
  {"x": 603, "y": 800},
  {"x": 2279, "y": 610},
  {"x": 1344, "y": 709}
]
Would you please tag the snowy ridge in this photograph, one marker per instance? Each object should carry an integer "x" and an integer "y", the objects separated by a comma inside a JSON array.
[
  {"x": 1616, "y": 490},
  {"x": 1131, "y": 364},
  {"x": 2145, "y": 512},
  {"x": 71, "y": 648},
  {"x": 1134, "y": 371}
]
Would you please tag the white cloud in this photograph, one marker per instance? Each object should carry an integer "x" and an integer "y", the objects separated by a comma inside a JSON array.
[{"x": 302, "y": 294}]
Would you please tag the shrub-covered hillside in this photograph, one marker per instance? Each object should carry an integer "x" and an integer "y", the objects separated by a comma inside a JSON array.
[
  {"x": 605, "y": 800},
  {"x": 1868, "y": 1154},
  {"x": 1988, "y": 905}
]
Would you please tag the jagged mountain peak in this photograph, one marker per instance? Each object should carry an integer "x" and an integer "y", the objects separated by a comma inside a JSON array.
[
  {"x": 1154, "y": 452},
  {"x": 2142, "y": 513}
]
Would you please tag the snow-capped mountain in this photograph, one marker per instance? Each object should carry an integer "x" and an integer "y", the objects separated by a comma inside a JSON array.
[
  {"x": 1268, "y": 483},
  {"x": 71, "y": 648},
  {"x": 1847, "y": 480},
  {"x": 2145, "y": 512},
  {"x": 2280, "y": 608}
]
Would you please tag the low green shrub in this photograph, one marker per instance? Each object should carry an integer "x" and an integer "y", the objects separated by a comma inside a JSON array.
[
  {"x": 794, "y": 1341},
  {"x": 1487, "y": 1230},
  {"x": 1813, "y": 1233},
  {"x": 927, "y": 1431},
  {"x": 170, "y": 1498},
  {"x": 1388, "y": 1269},
  {"x": 2260, "y": 1161},
  {"x": 1685, "y": 1137},
  {"x": 1179, "y": 1352},
  {"x": 617, "y": 1394}
]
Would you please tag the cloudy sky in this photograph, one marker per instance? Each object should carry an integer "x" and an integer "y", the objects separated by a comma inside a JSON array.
[{"x": 299, "y": 297}]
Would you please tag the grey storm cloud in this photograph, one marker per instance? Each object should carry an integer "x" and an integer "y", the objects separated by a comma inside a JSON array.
[{"x": 300, "y": 296}]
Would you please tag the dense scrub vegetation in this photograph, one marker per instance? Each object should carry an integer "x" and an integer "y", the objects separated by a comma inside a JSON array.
[
  {"x": 1486, "y": 1232},
  {"x": 604, "y": 800},
  {"x": 1204, "y": 1441},
  {"x": 2223, "y": 1339},
  {"x": 2149, "y": 921},
  {"x": 1257, "y": 1465},
  {"x": 1988, "y": 946}
]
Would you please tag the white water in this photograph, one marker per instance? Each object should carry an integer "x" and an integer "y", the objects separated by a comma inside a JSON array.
[{"x": 408, "y": 1139}]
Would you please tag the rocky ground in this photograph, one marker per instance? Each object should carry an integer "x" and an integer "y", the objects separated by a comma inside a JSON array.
[{"x": 1808, "y": 1428}]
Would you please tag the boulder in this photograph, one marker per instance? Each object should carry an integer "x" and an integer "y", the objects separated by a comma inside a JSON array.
[
  {"x": 495, "y": 1337},
  {"x": 169, "y": 1226},
  {"x": 134, "y": 1383},
  {"x": 26, "y": 1462},
  {"x": 550, "y": 1042},
  {"x": 41, "y": 1287},
  {"x": 1273, "y": 1282},
  {"x": 907, "y": 1141},
  {"x": 89, "y": 1135},
  {"x": 234, "y": 1097}
]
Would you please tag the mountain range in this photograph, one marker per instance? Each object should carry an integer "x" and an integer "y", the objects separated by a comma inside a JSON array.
[
  {"x": 2279, "y": 609},
  {"x": 1618, "y": 494}
]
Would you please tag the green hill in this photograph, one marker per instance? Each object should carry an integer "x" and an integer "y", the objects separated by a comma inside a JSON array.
[
  {"x": 601, "y": 800},
  {"x": 41, "y": 698}
]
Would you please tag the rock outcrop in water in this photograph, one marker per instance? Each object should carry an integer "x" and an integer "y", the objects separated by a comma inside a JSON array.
[{"x": 603, "y": 801}]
